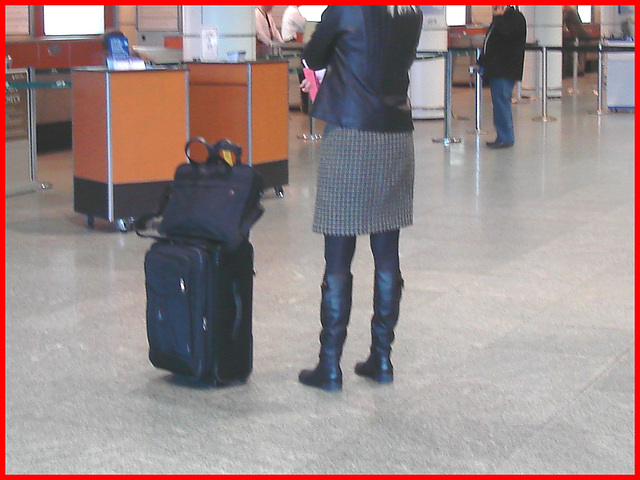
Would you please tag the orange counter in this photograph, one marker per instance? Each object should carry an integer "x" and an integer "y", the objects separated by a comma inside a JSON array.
[
  {"x": 248, "y": 103},
  {"x": 129, "y": 133}
]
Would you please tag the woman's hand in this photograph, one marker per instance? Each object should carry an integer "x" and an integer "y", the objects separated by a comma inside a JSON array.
[{"x": 305, "y": 85}]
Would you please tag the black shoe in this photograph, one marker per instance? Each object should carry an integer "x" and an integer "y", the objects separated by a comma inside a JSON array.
[
  {"x": 387, "y": 291},
  {"x": 335, "y": 308},
  {"x": 497, "y": 144},
  {"x": 380, "y": 371},
  {"x": 329, "y": 381}
]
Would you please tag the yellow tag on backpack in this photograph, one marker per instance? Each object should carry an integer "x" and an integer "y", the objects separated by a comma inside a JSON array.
[{"x": 227, "y": 155}]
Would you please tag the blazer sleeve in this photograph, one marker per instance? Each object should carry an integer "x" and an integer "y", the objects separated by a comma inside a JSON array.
[{"x": 318, "y": 50}]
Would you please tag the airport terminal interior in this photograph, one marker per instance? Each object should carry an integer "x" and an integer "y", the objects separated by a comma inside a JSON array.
[
  {"x": 514, "y": 351},
  {"x": 515, "y": 348}
]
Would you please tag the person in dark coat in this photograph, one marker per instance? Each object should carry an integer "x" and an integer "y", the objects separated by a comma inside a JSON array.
[
  {"x": 572, "y": 28},
  {"x": 366, "y": 171},
  {"x": 501, "y": 63}
]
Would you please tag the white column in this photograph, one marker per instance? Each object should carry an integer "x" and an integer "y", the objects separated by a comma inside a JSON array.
[
  {"x": 426, "y": 90},
  {"x": 227, "y": 28},
  {"x": 544, "y": 25}
]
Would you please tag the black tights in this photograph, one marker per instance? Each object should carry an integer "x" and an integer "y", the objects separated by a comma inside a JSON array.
[{"x": 339, "y": 251}]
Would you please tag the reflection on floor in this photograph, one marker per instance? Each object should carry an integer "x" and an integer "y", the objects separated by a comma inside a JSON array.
[{"x": 514, "y": 350}]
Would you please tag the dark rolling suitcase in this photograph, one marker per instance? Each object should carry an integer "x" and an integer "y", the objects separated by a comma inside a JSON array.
[{"x": 199, "y": 309}]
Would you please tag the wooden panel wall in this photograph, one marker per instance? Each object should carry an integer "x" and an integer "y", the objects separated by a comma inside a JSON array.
[
  {"x": 218, "y": 96},
  {"x": 270, "y": 111},
  {"x": 43, "y": 52},
  {"x": 148, "y": 124},
  {"x": 89, "y": 126},
  {"x": 226, "y": 103}
]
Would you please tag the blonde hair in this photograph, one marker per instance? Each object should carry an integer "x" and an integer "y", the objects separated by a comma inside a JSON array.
[{"x": 401, "y": 9}]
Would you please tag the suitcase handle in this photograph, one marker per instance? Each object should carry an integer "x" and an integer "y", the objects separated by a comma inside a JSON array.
[{"x": 187, "y": 148}]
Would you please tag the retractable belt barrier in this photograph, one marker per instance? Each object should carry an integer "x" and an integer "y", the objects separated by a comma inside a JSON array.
[
  {"x": 447, "y": 139},
  {"x": 32, "y": 85}
]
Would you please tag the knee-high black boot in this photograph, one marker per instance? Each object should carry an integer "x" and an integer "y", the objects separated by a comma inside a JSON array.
[
  {"x": 335, "y": 309},
  {"x": 387, "y": 292}
]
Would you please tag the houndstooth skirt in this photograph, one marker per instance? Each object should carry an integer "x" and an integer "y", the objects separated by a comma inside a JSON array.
[{"x": 365, "y": 182}]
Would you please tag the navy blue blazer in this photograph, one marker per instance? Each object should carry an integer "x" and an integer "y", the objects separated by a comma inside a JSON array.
[{"x": 367, "y": 53}]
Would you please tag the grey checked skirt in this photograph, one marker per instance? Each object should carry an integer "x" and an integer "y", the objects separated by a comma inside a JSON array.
[{"x": 365, "y": 182}]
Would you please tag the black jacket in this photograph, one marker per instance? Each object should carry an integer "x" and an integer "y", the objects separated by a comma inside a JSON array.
[
  {"x": 367, "y": 54},
  {"x": 503, "y": 53}
]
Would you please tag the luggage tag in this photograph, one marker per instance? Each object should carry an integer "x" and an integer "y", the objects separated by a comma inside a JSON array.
[
  {"x": 223, "y": 150},
  {"x": 227, "y": 156},
  {"x": 226, "y": 151}
]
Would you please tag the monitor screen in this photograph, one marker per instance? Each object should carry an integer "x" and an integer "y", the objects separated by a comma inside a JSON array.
[{"x": 118, "y": 46}]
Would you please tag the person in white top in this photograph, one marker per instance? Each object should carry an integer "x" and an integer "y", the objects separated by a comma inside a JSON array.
[
  {"x": 292, "y": 23},
  {"x": 266, "y": 30}
]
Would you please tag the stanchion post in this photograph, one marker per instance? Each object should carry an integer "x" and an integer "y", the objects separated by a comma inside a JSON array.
[
  {"x": 544, "y": 82},
  {"x": 478, "y": 106},
  {"x": 448, "y": 68},
  {"x": 544, "y": 117},
  {"x": 478, "y": 95},
  {"x": 448, "y": 80},
  {"x": 600, "y": 78}
]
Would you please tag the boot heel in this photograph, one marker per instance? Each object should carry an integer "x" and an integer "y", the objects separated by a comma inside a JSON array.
[
  {"x": 369, "y": 370},
  {"x": 314, "y": 378}
]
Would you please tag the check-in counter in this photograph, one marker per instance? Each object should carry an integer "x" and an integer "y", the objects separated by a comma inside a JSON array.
[
  {"x": 246, "y": 103},
  {"x": 129, "y": 133}
]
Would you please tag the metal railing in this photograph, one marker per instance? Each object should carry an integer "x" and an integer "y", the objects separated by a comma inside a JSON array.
[
  {"x": 601, "y": 49},
  {"x": 448, "y": 55}
]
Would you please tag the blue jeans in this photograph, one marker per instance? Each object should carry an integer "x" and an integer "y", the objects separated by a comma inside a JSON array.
[{"x": 501, "y": 89}]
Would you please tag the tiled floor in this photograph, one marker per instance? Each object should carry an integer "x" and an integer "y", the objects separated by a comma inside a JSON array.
[{"x": 514, "y": 351}]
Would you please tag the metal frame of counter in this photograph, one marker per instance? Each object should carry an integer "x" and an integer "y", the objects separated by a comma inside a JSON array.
[{"x": 129, "y": 133}]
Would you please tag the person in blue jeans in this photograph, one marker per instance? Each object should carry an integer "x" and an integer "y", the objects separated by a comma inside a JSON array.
[{"x": 501, "y": 63}]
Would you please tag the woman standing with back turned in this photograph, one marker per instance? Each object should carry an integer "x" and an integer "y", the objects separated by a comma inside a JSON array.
[{"x": 366, "y": 171}]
